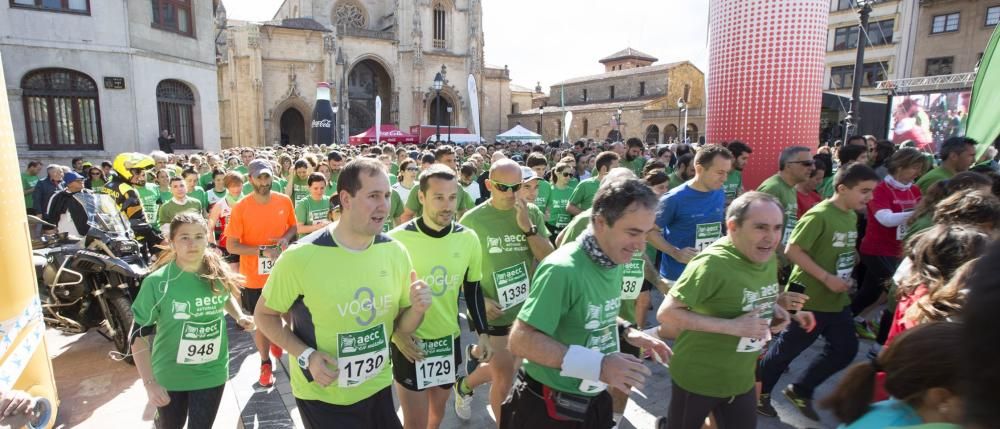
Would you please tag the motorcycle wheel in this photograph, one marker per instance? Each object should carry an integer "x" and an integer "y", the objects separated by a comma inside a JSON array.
[{"x": 121, "y": 321}]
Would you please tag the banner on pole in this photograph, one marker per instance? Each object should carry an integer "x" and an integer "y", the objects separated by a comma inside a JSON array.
[{"x": 474, "y": 105}]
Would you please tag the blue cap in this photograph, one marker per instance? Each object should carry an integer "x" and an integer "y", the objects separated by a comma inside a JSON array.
[{"x": 71, "y": 177}]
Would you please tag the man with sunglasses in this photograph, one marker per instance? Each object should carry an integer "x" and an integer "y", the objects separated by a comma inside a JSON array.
[
  {"x": 513, "y": 237},
  {"x": 795, "y": 165}
]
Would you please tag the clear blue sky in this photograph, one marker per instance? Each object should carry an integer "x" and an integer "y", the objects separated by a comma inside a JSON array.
[{"x": 552, "y": 40}]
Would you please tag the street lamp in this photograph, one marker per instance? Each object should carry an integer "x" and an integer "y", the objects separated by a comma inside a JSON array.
[
  {"x": 853, "y": 119},
  {"x": 682, "y": 126},
  {"x": 618, "y": 123},
  {"x": 449, "y": 124},
  {"x": 438, "y": 83}
]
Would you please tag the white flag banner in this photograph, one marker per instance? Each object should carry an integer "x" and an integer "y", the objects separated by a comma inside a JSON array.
[
  {"x": 474, "y": 105},
  {"x": 378, "y": 119},
  {"x": 567, "y": 120}
]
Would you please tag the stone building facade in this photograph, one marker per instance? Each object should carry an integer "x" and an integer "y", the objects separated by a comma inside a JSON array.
[
  {"x": 645, "y": 93},
  {"x": 952, "y": 35},
  {"x": 96, "y": 78},
  {"x": 365, "y": 48}
]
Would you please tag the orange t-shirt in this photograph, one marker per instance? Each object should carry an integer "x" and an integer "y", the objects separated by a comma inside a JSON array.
[{"x": 255, "y": 224}]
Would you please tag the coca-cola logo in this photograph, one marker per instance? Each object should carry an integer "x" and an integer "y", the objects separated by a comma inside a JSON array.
[{"x": 323, "y": 123}]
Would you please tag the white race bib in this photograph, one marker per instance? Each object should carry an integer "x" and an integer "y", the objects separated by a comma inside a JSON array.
[
  {"x": 438, "y": 365},
  {"x": 901, "y": 231},
  {"x": 632, "y": 280},
  {"x": 361, "y": 355},
  {"x": 201, "y": 342},
  {"x": 752, "y": 345},
  {"x": 845, "y": 266},
  {"x": 512, "y": 285},
  {"x": 706, "y": 234}
]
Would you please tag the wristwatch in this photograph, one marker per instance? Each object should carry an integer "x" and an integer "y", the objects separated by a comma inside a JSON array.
[
  {"x": 304, "y": 357},
  {"x": 532, "y": 231}
]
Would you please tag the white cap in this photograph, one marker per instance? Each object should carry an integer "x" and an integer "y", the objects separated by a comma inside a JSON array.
[{"x": 528, "y": 174}]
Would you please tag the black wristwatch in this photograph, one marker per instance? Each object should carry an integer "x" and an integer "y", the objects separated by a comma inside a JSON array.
[
  {"x": 624, "y": 327},
  {"x": 532, "y": 231}
]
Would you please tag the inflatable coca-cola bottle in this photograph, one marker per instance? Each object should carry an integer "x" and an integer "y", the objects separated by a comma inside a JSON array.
[{"x": 323, "y": 119}]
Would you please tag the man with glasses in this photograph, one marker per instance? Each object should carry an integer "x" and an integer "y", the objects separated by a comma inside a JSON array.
[
  {"x": 513, "y": 237},
  {"x": 795, "y": 166}
]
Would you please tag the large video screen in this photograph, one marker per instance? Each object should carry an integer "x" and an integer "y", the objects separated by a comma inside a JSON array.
[{"x": 929, "y": 118}]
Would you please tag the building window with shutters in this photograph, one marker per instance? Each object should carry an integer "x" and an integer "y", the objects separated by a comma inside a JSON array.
[
  {"x": 68, "y": 6},
  {"x": 175, "y": 110},
  {"x": 440, "y": 26},
  {"x": 173, "y": 16},
  {"x": 61, "y": 110}
]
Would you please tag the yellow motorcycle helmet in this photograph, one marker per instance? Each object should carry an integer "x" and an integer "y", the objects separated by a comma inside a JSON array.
[{"x": 130, "y": 163}]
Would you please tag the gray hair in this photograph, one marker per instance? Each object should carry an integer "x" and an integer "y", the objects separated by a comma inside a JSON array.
[
  {"x": 788, "y": 153},
  {"x": 740, "y": 207},
  {"x": 615, "y": 197}
]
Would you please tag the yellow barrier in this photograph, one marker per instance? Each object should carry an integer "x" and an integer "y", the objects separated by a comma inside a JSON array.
[{"x": 18, "y": 288}]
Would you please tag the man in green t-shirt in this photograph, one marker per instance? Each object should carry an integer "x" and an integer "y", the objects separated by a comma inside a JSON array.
[
  {"x": 513, "y": 237},
  {"x": 442, "y": 155},
  {"x": 568, "y": 330},
  {"x": 341, "y": 325},
  {"x": 311, "y": 212},
  {"x": 178, "y": 203},
  {"x": 957, "y": 155},
  {"x": 246, "y": 155},
  {"x": 725, "y": 306},
  {"x": 822, "y": 247},
  {"x": 633, "y": 156},
  {"x": 795, "y": 166},
  {"x": 28, "y": 181},
  {"x": 583, "y": 195},
  {"x": 734, "y": 182},
  {"x": 448, "y": 257}
]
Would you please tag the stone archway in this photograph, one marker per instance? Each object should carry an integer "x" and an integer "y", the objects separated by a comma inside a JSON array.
[
  {"x": 439, "y": 106},
  {"x": 652, "y": 134},
  {"x": 292, "y": 128},
  {"x": 275, "y": 127},
  {"x": 692, "y": 133},
  {"x": 669, "y": 132},
  {"x": 368, "y": 78}
]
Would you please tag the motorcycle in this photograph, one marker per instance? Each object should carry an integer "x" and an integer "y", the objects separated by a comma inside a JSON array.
[{"x": 89, "y": 282}]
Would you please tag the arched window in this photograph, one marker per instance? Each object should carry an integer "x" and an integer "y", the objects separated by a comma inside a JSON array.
[
  {"x": 175, "y": 109},
  {"x": 440, "y": 21},
  {"x": 652, "y": 134},
  {"x": 61, "y": 110}
]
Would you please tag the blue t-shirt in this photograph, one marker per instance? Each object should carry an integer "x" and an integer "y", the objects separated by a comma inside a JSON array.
[
  {"x": 886, "y": 414},
  {"x": 689, "y": 218}
]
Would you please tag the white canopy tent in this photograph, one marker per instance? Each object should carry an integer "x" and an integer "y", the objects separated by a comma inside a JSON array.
[
  {"x": 518, "y": 133},
  {"x": 460, "y": 139}
]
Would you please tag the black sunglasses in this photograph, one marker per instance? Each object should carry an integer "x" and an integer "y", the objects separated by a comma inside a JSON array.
[
  {"x": 805, "y": 163},
  {"x": 565, "y": 174},
  {"x": 503, "y": 187}
]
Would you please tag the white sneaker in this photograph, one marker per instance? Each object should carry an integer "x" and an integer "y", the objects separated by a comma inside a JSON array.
[{"x": 463, "y": 403}]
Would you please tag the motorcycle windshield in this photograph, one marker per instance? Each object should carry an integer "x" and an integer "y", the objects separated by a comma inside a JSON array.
[{"x": 102, "y": 213}]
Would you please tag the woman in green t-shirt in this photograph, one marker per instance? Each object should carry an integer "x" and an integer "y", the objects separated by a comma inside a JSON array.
[
  {"x": 312, "y": 212},
  {"x": 557, "y": 217},
  {"x": 181, "y": 304}
]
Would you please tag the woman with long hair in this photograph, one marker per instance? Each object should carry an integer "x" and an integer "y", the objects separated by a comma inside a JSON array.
[
  {"x": 183, "y": 302},
  {"x": 408, "y": 171},
  {"x": 921, "y": 373},
  {"x": 95, "y": 179},
  {"x": 923, "y": 215},
  {"x": 557, "y": 216}
]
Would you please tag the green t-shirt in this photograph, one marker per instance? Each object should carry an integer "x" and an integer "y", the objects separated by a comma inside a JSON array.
[
  {"x": 583, "y": 195},
  {"x": 191, "y": 347},
  {"x": 556, "y": 204},
  {"x": 828, "y": 235},
  {"x": 720, "y": 365},
  {"x": 205, "y": 180},
  {"x": 575, "y": 302},
  {"x": 349, "y": 315},
  {"x": 394, "y": 170},
  {"x": 542, "y": 200},
  {"x": 576, "y": 226},
  {"x": 27, "y": 182},
  {"x": 465, "y": 201},
  {"x": 300, "y": 190},
  {"x": 171, "y": 209},
  {"x": 150, "y": 198},
  {"x": 309, "y": 211},
  {"x": 675, "y": 180},
  {"x": 936, "y": 174},
  {"x": 199, "y": 194},
  {"x": 919, "y": 225},
  {"x": 825, "y": 187},
  {"x": 788, "y": 198},
  {"x": 444, "y": 263},
  {"x": 733, "y": 185},
  {"x": 242, "y": 169},
  {"x": 636, "y": 165},
  {"x": 507, "y": 259},
  {"x": 395, "y": 211},
  {"x": 276, "y": 186}
]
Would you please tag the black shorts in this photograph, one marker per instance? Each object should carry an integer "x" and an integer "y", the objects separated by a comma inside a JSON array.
[
  {"x": 527, "y": 407},
  {"x": 498, "y": 331},
  {"x": 405, "y": 372},
  {"x": 248, "y": 299},
  {"x": 375, "y": 412},
  {"x": 646, "y": 286}
]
